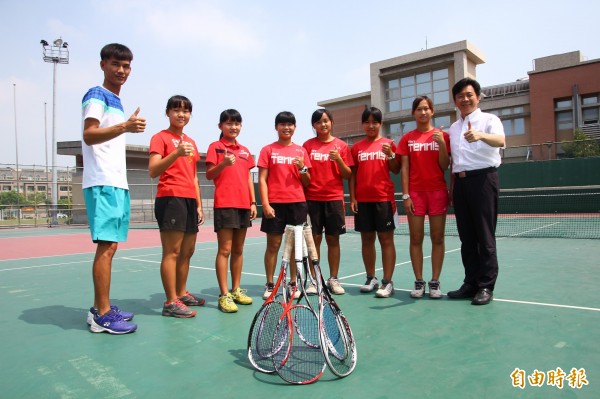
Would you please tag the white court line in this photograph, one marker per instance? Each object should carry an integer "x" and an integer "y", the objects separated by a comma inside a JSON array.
[
  {"x": 529, "y": 231},
  {"x": 554, "y": 305},
  {"x": 341, "y": 278},
  {"x": 212, "y": 269},
  {"x": 88, "y": 260},
  {"x": 41, "y": 266},
  {"x": 495, "y": 299}
]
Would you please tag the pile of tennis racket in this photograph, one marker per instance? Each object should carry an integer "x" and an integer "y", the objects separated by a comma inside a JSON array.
[{"x": 298, "y": 339}]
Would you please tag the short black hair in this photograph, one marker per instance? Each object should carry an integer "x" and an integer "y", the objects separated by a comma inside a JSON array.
[
  {"x": 117, "y": 51},
  {"x": 285, "y": 117},
  {"x": 178, "y": 101},
  {"x": 376, "y": 112},
  {"x": 461, "y": 84},
  {"x": 230, "y": 115},
  {"x": 418, "y": 100},
  {"x": 318, "y": 114}
]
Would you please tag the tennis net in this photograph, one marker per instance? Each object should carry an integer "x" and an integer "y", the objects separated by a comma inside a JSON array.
[{"x": 544, "y": 212}]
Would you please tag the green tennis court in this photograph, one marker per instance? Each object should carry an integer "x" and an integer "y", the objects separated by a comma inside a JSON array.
[{"x": 544, "y": 320}]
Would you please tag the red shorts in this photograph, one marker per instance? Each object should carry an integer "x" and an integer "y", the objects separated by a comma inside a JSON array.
[{"x": 430, "y": 203}]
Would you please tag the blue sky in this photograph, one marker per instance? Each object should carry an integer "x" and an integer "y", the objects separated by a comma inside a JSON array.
[{"x": 259, "y": 57}]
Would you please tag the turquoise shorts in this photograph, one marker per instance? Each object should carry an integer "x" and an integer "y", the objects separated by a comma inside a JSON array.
[{"x": 108, "y": 213}]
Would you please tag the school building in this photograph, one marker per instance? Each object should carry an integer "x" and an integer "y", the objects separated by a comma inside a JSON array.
[{"x": 538, "y": 112}]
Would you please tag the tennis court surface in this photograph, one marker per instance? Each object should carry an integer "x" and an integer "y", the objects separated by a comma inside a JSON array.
[{"x": 537, "y": 339}]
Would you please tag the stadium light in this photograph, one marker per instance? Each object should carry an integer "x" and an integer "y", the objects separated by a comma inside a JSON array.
[{"x": 57, "y": 53}]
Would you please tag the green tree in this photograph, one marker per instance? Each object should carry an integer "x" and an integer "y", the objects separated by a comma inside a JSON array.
[
  {"x": 581, "y": 146},
  {"x": 12, "y": 198},
  {"x": 65, "y": 203}
]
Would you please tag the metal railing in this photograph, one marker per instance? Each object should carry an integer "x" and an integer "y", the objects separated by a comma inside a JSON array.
[{"x": 31, "y": 204}]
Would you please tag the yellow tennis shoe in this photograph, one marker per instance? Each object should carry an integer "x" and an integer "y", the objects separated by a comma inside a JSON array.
[{"x": 239, "y": 296}]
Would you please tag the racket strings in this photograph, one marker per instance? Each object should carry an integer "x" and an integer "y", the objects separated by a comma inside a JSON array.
[{"x": 303, "y": 361}]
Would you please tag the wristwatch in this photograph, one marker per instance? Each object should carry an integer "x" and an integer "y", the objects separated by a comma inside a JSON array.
[
  {"x": 405, "y": 196},
  {"x": 393, "y": 156},
  {"x": 303, "y": 170}
]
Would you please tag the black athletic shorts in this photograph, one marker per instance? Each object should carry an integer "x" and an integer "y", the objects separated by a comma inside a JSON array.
[
  {"x": 176, "y": 213},
  {"x": 328, "y": 215},
  {"x": 293, "y": 213},
  {"x": 231, "y": 218},
  {"x": 375, "y": 216}
]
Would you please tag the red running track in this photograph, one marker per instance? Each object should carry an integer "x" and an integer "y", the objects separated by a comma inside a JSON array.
[{"x": 68, "y": 244}]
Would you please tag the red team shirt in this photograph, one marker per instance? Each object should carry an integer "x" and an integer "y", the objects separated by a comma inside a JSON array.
[
  {"x": 231, "y": 185},
  {"x": 326, "y": 183},
  {"x": 425, "y": 173},
  {"x": 177, "y": 180},
  {"x": 278, "y": 159},
  {"x": 373, "y": 182}
]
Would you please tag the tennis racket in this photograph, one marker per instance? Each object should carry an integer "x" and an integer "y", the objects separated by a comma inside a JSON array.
[
  {"x": 303, "y": 361},
  {"x": 337, "y": 341},
  {"x": 262, "y": 329}
]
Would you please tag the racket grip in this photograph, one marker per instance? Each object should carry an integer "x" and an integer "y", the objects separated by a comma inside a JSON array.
[
  {"x": 288, "y": 243},
  {"x": 310, "y": 243},
  {"x": 298, "y": 242}
]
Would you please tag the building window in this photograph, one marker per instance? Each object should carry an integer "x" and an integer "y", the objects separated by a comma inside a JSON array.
[
  {"x": 6, "y": 188},
  {"x": 513, "y": 127},
  {"x": 401, "y": 92},
  {"x": 590, "y": 111},
  {"x": 563, "y": 111},
  {"x": 41, "y": 188},
  {"x": 63, "y": 188},
  {"x": 512, "y": 120},
  {"x": 442, "y": 121},
  {"x": 398, "y": 130},
  {"x": 564, "y": 120},
  {"x": 395, "y": 131}
]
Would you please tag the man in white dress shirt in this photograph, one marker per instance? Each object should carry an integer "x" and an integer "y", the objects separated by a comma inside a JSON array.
[{"x": 475, "y": 140}]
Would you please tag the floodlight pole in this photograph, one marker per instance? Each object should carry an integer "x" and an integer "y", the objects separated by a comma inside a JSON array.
[
  {"x": 46, "y": 154},
  {"x": 17, "y": 154},
  {"x": 56, "y": 53}
]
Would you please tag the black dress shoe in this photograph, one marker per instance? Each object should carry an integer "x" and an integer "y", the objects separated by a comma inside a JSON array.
[
  {"x": 483, "y": 297},
  {"x": 465, "y": 291}
]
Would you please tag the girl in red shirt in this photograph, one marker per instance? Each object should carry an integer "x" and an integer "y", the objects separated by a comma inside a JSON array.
[
  {"x": 283, "y": 173},
  {"x": 331, "y": 162},
  {"x": 178, "y": 205},
  {"x": 228, "y": 164},
  {"x": 424, "y": 158},
  {"x": 372, "y": 200}
]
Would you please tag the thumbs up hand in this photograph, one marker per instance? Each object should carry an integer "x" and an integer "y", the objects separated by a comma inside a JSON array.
[
  {"x": 472, "y": 135},
  {"x": 135, "y": 124}
]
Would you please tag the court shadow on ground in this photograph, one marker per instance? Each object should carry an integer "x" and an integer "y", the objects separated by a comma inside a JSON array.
[
  {"x": 399, "y": 298},
  {"x": 61, "y": 316},
  {"x": 69, "y": 318}
]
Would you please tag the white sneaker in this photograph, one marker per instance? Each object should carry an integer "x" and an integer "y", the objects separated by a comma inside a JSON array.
[
  {"x": 268, "y": 290},
  {"x": 370, "y": 284},
  {"x": 434, "y": 289},
  {"x": 419, "y": 290},
  {"x": 335, "y": 286},
  {"x": 291, "y": 289},
  {"x": 312, "y": 289},
  {"x": 386, "y": 290}
]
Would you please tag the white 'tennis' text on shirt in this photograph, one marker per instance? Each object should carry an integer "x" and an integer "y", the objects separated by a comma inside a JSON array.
[
  {"x": 371, "y": 156},
  {"x": 416, "y": 147},
  {"x": 281, "y": 159}
]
